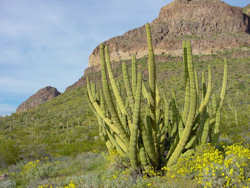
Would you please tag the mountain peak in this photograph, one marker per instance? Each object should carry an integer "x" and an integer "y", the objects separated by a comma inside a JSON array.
[{"x": 43, "y": 95}]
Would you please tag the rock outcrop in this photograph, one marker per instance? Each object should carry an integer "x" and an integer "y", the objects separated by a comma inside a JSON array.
[
  {"x": 41, "y": 96},
  {"x": 212, "y": 25}
]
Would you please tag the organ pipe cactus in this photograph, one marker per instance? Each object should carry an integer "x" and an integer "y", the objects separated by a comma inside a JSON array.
[{"x": 155, "y": 132}]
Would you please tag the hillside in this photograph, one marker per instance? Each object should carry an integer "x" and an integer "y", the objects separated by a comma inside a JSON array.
[
  {"x": 68, "y": 119},
  {"x": 41, "y": 96}
]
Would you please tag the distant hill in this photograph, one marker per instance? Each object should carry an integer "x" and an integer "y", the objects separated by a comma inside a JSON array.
[{"x": 41, "y": 96}]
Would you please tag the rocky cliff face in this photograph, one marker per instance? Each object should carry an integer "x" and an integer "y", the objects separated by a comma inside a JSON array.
[
  {"x": 39, "y": 97},
  {"x": 212, "y": 25}
]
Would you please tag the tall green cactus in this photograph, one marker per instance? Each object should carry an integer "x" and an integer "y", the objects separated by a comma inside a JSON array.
[
  {"x": 133, "y": 146},
  {"x": 158, "y": 132}
]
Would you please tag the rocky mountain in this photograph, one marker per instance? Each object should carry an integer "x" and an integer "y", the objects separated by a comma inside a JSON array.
[
  {"x": 211, "y": 25},
  {"x": 41, "y": 96}
]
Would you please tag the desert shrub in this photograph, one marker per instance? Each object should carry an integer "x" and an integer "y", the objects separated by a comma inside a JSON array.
[
  {"x": 212, "y": 167},
  {"x": 9, "y": 152}
]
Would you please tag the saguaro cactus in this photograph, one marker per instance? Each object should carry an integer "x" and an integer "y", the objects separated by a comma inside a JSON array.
[{"x": 158, "y": 132}]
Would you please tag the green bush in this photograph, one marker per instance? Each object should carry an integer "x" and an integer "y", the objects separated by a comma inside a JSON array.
[{"x": 9, "y": 152}]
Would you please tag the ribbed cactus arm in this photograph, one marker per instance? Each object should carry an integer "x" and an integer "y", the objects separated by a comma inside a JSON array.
[
  {"x": 121, "y": 143},
  {"x": 133, "y": 146},
  {"x": 208, "y": 92},
  {"x": 152, "y": 86},
  {"x": 224, "y": 85},
  {"x": 114, "y": 143},
  {"x": 102, "y": 102},
  {"x": 203, "y": 87},
  {"x": 105, "y": 87},
  {"x": 196, "y": 81},
  {"x": 197, "y": 85},
  {"x": 99, "y": 110},
  {"x": 143, "y": 157},
  {"x": 186, "y": 80},
  {"x": 115, "y": 89},
  {"x": 134, "y": 75},
  {"x": 108, "y": 98},
  {"x": 205, "y": 132},
  {"x": 184, "y": 48},
  {"x": 146, "y": 94},
  {"x": 165, "y": 127},
  {"x": 151, "y": 62},
  {"x": 186, "y": 103},
  {"x": 192, "y": 110},
  {"x": 127, "y": 83},
  {"x": 148, "y": 140},
  {"x": 216, "y": 130},
  {"x": 166, "y": 116},
  {"x": 158, "y": 113}
]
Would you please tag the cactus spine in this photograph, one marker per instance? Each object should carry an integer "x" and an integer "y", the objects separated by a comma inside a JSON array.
[{"x": 158, "y": 132}]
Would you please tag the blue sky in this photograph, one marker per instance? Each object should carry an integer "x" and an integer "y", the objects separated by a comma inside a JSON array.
[{"x": 48, "y": 42}]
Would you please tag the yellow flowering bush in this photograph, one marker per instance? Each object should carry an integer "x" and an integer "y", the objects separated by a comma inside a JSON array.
[
  {"x": 71, "y": 185},
  {"x": 150, "y": 172},
  {"x": 30, "y": 166},
  {"x": 213, "y": 168},
  {"x": 236, "y": 165}
]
